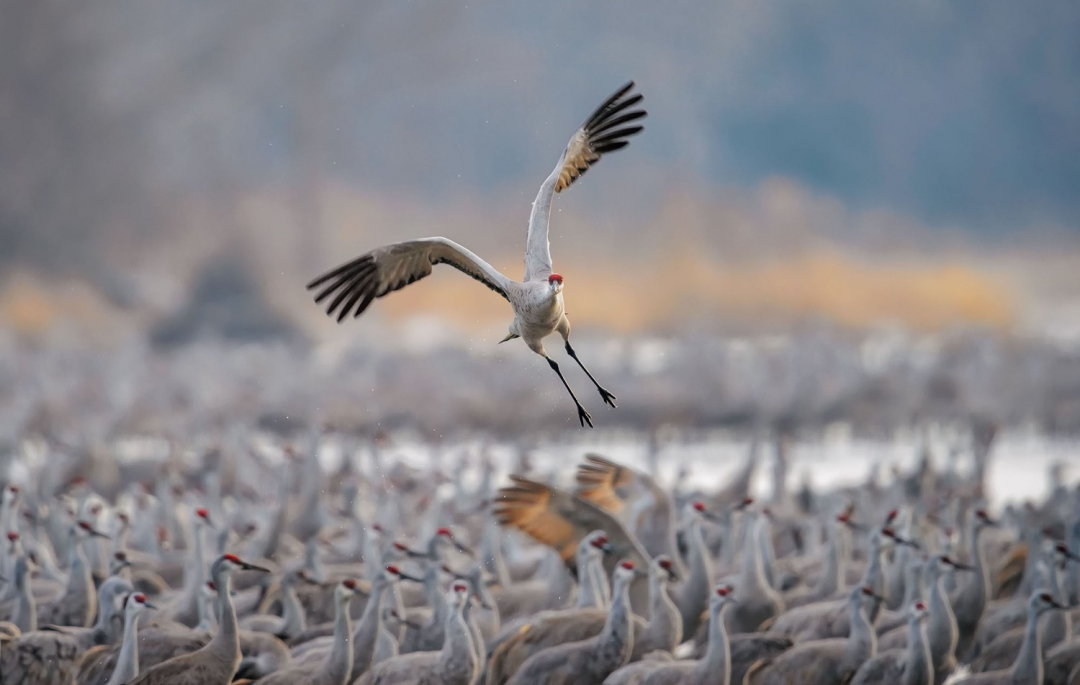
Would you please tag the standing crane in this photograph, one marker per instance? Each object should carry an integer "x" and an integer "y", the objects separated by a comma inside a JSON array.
[{"x": 537, "y": 301}]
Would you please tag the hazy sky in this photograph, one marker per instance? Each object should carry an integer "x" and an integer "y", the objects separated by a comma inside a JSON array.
[
  {"x": 951, "y": 114},
  {"x": 961, "y": 113}
]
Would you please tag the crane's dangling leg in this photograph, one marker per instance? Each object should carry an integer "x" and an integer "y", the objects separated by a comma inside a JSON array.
[
  {"x": 608, "y": 397},
  {"x": 564, "y": 330},
  {"x": 582, "y": 414}
]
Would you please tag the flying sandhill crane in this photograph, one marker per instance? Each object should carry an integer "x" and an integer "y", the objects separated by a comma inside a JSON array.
[
  {"x": 537, "y": 301},
  {"x": 589, "y": 662},
  {"x": 1028, "y": 667},
  {"x": 651, "y": 514},
  {"x": 562, "y": 520},
  {"x": 911, "y": 666},
  {"x": 217, "y": 662},
  {"x": 454, "y": 664}
]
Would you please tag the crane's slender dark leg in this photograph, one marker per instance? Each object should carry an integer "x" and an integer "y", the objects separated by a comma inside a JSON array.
[
  {"x": 608, "y": 397},
  {"x": 582, "y": 414}
]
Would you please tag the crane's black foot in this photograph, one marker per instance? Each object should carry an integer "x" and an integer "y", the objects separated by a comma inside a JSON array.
[
  {"x": 609, "y": 399},
  {"x": 584, "y": 416}
]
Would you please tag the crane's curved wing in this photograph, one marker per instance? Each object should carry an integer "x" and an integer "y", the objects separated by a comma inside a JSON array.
[
  {"x": 560, "y": 520},
  {"x": 392, "y": 267},
  {"x": 604, "y": 483},
  {"x": 605, "y": 131}
]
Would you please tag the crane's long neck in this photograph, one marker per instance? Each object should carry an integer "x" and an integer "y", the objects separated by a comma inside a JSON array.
[
  {"x": 616, "y": 640},
  {"x": 226, "y": 642},
  {"x": 486, "y": 598},
  {"x": 1058, "y": 625},
  {"x": 491, "y": 551},
  {"x": 106, "y": 610},
  {"x": 700, "y": 563},
  {"x": 717, "y": 661},
  {"x": 367, "y": 628},
  {"x": 768, "y": 555},
  {"x": 312, "y": 558},
  {"x": 1033, "y": 540},
  {"x": 25, "y": 615},
  {"x": 862, "y": 641},
  {"x": 728, "y": 548},
  {"x": 912, "y": 582},
  {"x": 589, "y": 596},
  {"x": 970, "y": 602},
  {"x": 752, "y": 578},
  {"x": 338, "y": 665},
  {"x": 292, "y": 611},
  {"x": 477, "y": 638},
  {"x": 896, "y": 578},
  {"x": 919, "y": 668},
  {"x": 431, "y": 592},
  {"x": 873, "y": 576},
  {"x": 127, "y": 664},
  {"x": 942, "y": 628},
  {"x": 207, "y": 613},
  {"x": 976, "y": 592},
  {"x": 195, "y": 571},
  {"x": 373, "y": 555},
  {"x": 557, "y": 577},
  {"x": 457, "y": 658},
  {"x": 80, "y": 581},
  {"x": 273, "y": 538},
  {"x": 665, "y": 622},
  {"x": 1028, "y": 667},
  {"x": 1072, "y": 575},
  {"x": 663, "y": 517},
  {"x": 830, "y": 578}
]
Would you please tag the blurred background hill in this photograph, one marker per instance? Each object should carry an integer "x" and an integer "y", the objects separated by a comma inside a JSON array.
[{"x": 177, "y": 169}]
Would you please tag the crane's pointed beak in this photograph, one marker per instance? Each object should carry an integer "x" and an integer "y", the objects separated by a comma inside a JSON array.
[{"x": 509, "y": 336}]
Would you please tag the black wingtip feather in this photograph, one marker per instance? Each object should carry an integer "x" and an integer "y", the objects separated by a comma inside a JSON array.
[
  {"x": 611, "y": 123},
  {"x": 613, "y": 110},
  {"x": 616, "y": 135},
  {"x": 610, "y": 147},
  {"x": 602, "y": 109}
]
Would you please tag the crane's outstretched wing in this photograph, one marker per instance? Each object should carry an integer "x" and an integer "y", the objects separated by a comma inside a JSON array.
[
  {"x": 392, "y": 267},
  {"x": 605, "y": 131},
  {"x": 560, "y": 520},
  {"x": 604, "y": 483}
]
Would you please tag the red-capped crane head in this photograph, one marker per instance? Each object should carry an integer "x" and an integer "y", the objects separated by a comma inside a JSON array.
[{"x": 555, "y": 279}]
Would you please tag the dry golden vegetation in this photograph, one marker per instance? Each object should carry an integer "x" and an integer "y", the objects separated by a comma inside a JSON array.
[{"x": 762, "y": 262}]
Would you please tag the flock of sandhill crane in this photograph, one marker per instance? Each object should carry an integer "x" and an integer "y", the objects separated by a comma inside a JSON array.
[
  {"x": 381, "y": 573},
  {"x": 249, "y": 562}
]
